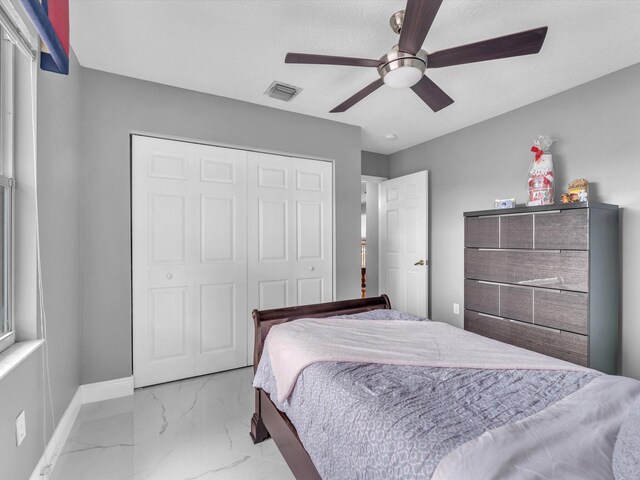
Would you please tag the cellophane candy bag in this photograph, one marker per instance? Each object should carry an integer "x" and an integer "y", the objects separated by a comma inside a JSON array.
[{"x": 541, "y": 179}]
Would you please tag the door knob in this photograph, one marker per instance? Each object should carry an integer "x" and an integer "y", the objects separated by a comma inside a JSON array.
[
  {"x": 169, "y": 276},
  {"x": 311, "y": 269},
  {"x": 421, "y": 263}
]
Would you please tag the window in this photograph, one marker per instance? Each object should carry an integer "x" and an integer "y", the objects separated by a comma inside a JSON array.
[
  {"x": 6, "y": 323},
  {"x": 7, "y": 331}
]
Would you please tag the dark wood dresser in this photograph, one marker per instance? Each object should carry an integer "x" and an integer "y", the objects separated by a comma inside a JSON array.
[{"x": 546, "y": 279}]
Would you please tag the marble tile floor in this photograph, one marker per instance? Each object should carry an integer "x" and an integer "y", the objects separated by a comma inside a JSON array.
[{"x": 194, "y": 429}]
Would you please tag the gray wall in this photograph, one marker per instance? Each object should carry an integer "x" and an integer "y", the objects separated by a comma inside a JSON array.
[
  {"x": 598, "y": 127},
  {"x": 374, "y": 164},
  {"x": 113, "y": 106},
  {"x": 21, "y": 390},
  {"x": 59, "y": 165},
  {"x": 59, "y": 203}
]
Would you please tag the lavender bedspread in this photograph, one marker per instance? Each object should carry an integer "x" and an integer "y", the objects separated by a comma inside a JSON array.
[{"x": 375, "y": 422}]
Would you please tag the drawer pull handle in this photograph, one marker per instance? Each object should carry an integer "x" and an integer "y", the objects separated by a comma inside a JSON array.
[
  {"x": 542, "y": 281},
  {"x": 484, "y": 282},
  {"x": 515, "y": 214},
  {"x": 547, "y": 212},
  {"x": 521, "y": 250},
  {"x": 542, "y": 327},
  {"x": 508, "y": 285},
  {"x": 492, "y": 316}
]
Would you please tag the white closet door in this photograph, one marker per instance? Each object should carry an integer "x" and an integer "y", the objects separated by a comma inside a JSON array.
[
  {"x": 403, "y": 262},
  {"x": 221, "y": 274},
  {"x": 313, "y": 202},
  {"x": 189, "y": 259},
  {"x": 291, "y": 232}
]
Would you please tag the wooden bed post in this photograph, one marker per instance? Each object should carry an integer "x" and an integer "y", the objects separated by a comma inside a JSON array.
[{"x": 259, "y": 432}]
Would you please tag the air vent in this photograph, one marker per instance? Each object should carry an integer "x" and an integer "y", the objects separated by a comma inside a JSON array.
[{"x": 282, "y": 91}]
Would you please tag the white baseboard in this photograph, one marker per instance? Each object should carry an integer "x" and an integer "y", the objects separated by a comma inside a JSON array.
[
  {"x": 89, "y": 393},
  {"x": 58, "y": 439},
  {"x": 97, "y": 392}
]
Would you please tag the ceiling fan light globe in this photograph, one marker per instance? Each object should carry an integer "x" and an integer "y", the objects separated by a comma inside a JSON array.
[{"x": 403, "y": 77}]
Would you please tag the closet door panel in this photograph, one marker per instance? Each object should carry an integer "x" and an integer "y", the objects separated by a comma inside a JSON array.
[
  {"x": 290, "y": 218},
  {"x": 271, "y": 216},
  {"x": 189, "y": 259},
  {"x": 220, "y": 242},
  {"x": 313, "y": 262}
]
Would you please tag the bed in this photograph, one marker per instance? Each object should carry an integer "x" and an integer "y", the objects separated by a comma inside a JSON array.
[{"x": 367, "y": 392}]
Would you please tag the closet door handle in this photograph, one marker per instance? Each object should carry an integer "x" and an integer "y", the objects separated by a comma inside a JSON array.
[{"x": 169, "y": 276}]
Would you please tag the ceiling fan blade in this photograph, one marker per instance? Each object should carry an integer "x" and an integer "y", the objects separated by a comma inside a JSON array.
[
  {"x": 351, "y": 101},
  {"x": 418, "y": 18},
  {"x": 432, "y": 94},
  {"x": 523, "y": 43},
  {"x": 310, "y": 58}
]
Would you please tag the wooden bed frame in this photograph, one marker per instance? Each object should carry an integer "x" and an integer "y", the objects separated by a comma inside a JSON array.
[{"x": 267, "y": 419}]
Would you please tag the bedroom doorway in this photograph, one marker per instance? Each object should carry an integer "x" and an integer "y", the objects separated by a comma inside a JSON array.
[
  {"x": 403, "y": 222},
  {"x": 217, "y": 232},
  {"x": 369, "y": 186}
]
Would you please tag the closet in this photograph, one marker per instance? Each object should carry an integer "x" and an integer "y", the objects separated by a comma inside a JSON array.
[{"x": 217, "y": 232}]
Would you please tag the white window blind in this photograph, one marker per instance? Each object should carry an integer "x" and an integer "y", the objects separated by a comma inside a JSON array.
[{"x": 7, "y": 327}]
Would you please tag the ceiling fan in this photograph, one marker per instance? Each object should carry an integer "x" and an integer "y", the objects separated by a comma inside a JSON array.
[{"x": 405, "y": 64}]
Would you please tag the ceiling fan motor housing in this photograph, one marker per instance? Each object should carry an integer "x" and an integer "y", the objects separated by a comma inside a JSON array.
[
  {"x": 396, "y": 21},
  {"x": 401, "y": 69}
]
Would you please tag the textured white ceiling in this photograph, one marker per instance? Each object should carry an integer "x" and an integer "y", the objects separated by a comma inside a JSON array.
[{"x": 236, "y": 49}]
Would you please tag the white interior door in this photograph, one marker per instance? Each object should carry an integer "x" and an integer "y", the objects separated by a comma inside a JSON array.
[
  {"x": 291, "y": 238},
  {"x": 189, "y": 231},
  {"x": 403, "y": 221}
]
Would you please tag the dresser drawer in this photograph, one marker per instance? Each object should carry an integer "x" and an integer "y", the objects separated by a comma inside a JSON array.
[
  {"x": 482, "y": 297},
  {"x": 557, "y": 309},
  {"x": 564, "y": 270},
  {"x": 516, "y": 231},
  {"x": 516, "y": 303},
  {"x": 482, "y": 232},
  {"x": 555, "y": 343},
  {"x": 562, "y": 230},
  {"x": 490, "y": 327},
  {"x": 563, "y": 310}
]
